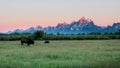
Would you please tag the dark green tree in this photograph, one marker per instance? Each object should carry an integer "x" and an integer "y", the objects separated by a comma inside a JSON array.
[{"x": 38, "y": 35}]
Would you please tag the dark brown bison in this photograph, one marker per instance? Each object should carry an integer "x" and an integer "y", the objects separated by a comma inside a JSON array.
[
  {"x": 46, "y": 41},
  {"x": 27, "y": 41}
]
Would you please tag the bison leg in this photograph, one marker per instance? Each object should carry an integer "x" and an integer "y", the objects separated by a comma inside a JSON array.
[
  {"x": 28, "y": 44},
  {"x": 21, "y": 43}
]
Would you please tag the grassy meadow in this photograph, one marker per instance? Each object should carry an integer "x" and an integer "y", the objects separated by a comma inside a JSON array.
[{"x": 61, "y": 54}]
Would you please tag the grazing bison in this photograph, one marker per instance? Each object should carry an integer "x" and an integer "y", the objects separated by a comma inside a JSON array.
[
  {"x": 27, "y": 41},
  {"x": 46, "y": 41}
]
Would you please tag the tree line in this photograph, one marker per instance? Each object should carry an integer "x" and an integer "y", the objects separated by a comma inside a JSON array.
[{"x": 40, "y": 35}]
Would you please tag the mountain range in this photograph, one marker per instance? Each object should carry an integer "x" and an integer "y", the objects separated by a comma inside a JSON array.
[{"x": 84, "y": 25}]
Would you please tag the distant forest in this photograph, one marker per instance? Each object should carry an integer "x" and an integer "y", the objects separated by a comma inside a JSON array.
[{"x": 91, "y": 36}]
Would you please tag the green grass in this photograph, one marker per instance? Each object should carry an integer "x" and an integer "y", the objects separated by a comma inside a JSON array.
[{"x": 61, "y": 54}]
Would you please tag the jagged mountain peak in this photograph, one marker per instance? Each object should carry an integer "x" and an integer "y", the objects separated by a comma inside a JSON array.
[
  {"x": 61, "y": 24},
  {"x": 116, "y": 23},
  {"x": 39, "y": 28},
  {"x": 83, "y": 23},
  {"x": 116, "y": 26},
  {"x": 84, "y": 20}
]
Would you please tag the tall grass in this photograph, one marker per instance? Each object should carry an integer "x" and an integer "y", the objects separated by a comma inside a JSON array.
[{"x": 61, "y": 54}]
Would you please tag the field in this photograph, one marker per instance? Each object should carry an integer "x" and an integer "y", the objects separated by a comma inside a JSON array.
[{"x": 61, "y": 54}]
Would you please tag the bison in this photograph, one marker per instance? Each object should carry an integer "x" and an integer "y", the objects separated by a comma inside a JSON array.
[
  {"x": 46, "y": 41},
  {"x": 27, "y": 41}
]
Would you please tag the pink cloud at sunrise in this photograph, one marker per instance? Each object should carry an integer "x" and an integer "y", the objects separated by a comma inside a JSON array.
[{"x": 22, "y": 14}]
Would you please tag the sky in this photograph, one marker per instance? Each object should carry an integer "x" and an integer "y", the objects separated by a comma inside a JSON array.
[{"x": 22, "y": 14}]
